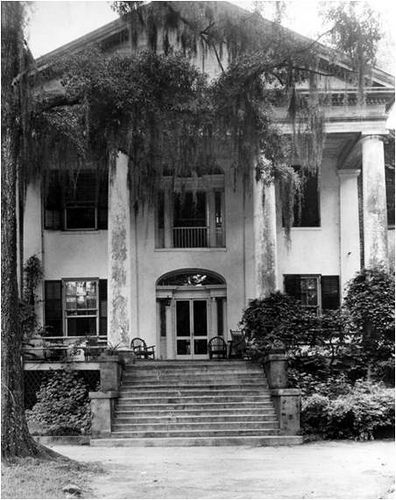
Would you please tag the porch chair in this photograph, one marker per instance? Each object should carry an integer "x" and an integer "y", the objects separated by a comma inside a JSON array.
[
  {"x": 237, "y": 344},
  {"x": 141, "y": 350},
  {"x": 217, "y": 347}
]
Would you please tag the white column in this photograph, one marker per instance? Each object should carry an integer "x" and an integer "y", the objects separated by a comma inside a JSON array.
[
  {"x": 32, "y": 236},
  {"x": 213, "y": 317},
  {"x": 349, "y": 225},
  {"x": 264, "y": 237},
  {"x": 119, "y": 246},
  {"x": 211, "y": 219},
  {"x": 169, "y": 332},
  {"x": 374, "y": 202},
  {"x": 168, "y": 216}
]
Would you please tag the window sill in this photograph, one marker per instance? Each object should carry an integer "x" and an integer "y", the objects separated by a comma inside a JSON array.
[
  {"x": 75, "y": 231},
  {"x": 298, "y": 229},
  {"x": 211, "y": 249}
]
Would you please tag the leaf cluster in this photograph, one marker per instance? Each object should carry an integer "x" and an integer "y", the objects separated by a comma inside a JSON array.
[
  {"x": 359, "y": 412},
  {"x": 63, "y": 406},
  {"x": 370, "y": 305}
]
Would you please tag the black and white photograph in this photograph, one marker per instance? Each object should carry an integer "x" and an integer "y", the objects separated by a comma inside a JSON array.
[{"x": 198, "y": 249}]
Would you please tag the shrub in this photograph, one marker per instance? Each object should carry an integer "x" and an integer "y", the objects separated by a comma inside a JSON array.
[
  {"x": 277, "y": 320},
  {"x": 62, "y": 406},
  {"x": 361, "y": 413},
  {"x": 370, "y": 305}
]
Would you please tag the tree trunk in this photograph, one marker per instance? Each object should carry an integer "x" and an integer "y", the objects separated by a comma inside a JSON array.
[{"x": 15, "y": 437}]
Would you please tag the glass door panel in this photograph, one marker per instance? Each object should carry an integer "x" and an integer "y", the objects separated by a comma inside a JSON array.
[
  {"x": 200, "y": 327},
  {"x": 183, "y": 334},
  {"x": 191, "y": 329}
]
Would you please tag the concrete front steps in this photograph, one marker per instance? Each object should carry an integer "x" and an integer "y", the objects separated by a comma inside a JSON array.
[{"x": 194, "y": 403}]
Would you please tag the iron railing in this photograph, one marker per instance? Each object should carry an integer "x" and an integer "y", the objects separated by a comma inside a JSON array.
[{"x": 190, "y": 237}]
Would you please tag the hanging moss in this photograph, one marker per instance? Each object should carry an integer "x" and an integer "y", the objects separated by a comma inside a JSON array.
[{"x": 168, "y": 118}]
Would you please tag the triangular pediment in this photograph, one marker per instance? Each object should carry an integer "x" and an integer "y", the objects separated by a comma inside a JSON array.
[{"x": 118, "y": 36}]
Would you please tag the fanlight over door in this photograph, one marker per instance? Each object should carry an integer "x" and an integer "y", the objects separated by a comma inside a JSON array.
[{"x": 191, "y": 310}]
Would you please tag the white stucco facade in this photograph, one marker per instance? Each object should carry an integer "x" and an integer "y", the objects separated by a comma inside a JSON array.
[{"x": 255, "y": 254}]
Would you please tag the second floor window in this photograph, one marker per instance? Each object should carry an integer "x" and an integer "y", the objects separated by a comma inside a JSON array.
[
  {"x": 75, "y": 200},
  {"x": 192, "y": 219}
]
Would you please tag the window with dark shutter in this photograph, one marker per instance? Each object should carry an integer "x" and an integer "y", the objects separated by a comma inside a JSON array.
[
  {"x": 103, "y": 307},
  {"x": 330, "y": 292},
  {"x": 53, "y": 308}
]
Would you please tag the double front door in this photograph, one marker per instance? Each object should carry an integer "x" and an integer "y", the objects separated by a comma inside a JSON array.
[{"x": 191, "y": 328}]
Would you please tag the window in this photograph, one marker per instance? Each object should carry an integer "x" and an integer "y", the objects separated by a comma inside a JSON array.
[
  {"x": 190, "y": 219},
  {"x": 76, "y": 307},
  {"x": 307, "y": 213},
  {"x": 316, "y": 292},
  {"x": 81, "y": 307},
  {"x": 76, "y": 200}
]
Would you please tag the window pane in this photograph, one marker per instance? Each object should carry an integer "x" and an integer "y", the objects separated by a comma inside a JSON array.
[
  {"x": 81, "y": 186},
  {"x": 81, "y": 217},
  {"x": 190, "y": 210},
  {"x": 200, "y": 346},
  {"x": 309, "y": 291},
  {"x": 200, "y": 317},
  {"x": 183, "y": 346},
  {"x": 220, "y": 316},
  {"x": 183, "y": 318},
  {"x": 162, "y": 318},
  {"x": 81, "y": 326}
]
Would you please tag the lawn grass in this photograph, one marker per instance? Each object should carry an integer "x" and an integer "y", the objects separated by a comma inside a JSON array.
[{"x": 36, "y": 478}]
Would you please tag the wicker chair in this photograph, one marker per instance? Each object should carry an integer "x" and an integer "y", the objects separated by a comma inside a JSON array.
[
  {"x": 217, "y": 347},
  {"x": 141, "y": 350},
  {"x": 237, "y": 344}
]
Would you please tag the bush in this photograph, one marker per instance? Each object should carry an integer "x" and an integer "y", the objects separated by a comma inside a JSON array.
[
  {"x": 277, "y": 321},
  {"x": 361, "y": 413},
  {"x": 62, "y": 406},
  {"x": 370, "y": 305}
]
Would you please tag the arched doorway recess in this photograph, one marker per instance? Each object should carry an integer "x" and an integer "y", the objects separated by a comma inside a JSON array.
[{"x": 191, "y": 309}]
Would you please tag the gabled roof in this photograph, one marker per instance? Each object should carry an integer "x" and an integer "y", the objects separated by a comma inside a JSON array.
[{"x": 120, "y": 28}]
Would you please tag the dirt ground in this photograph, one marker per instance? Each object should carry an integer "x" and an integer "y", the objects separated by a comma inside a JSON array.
[{"x": 334, "y": 469}]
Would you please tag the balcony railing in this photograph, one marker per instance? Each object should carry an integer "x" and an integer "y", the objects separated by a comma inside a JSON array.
[{"x": 190, "y": 237}]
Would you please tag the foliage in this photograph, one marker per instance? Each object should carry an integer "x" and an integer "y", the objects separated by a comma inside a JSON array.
[
  {"x": 170, "y": 119},
  {"x": 370, "y": 305},
  {"x": 355, "y": 32},
  {"x": 62, "y": 406},
  {"x": 355, "y": 340},
  {"x": 362, "y": 412},
  {"x": 280, "y": 320}
]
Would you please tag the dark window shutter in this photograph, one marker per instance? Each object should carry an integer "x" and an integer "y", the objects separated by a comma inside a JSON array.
[
  {"x": 102, "y": 307},
  {"x": 103, "y": 203},
  {"x": 53, "y": 201},
  {"x": 330, "y": 292},
  {"x": 53, "y": 308},
  {"x": 292, "y": 285}
]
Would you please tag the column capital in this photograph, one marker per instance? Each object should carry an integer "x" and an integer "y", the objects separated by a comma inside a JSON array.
[
  {"x": 365, "y": 137},
  {"x": 348, "y": 172}
]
